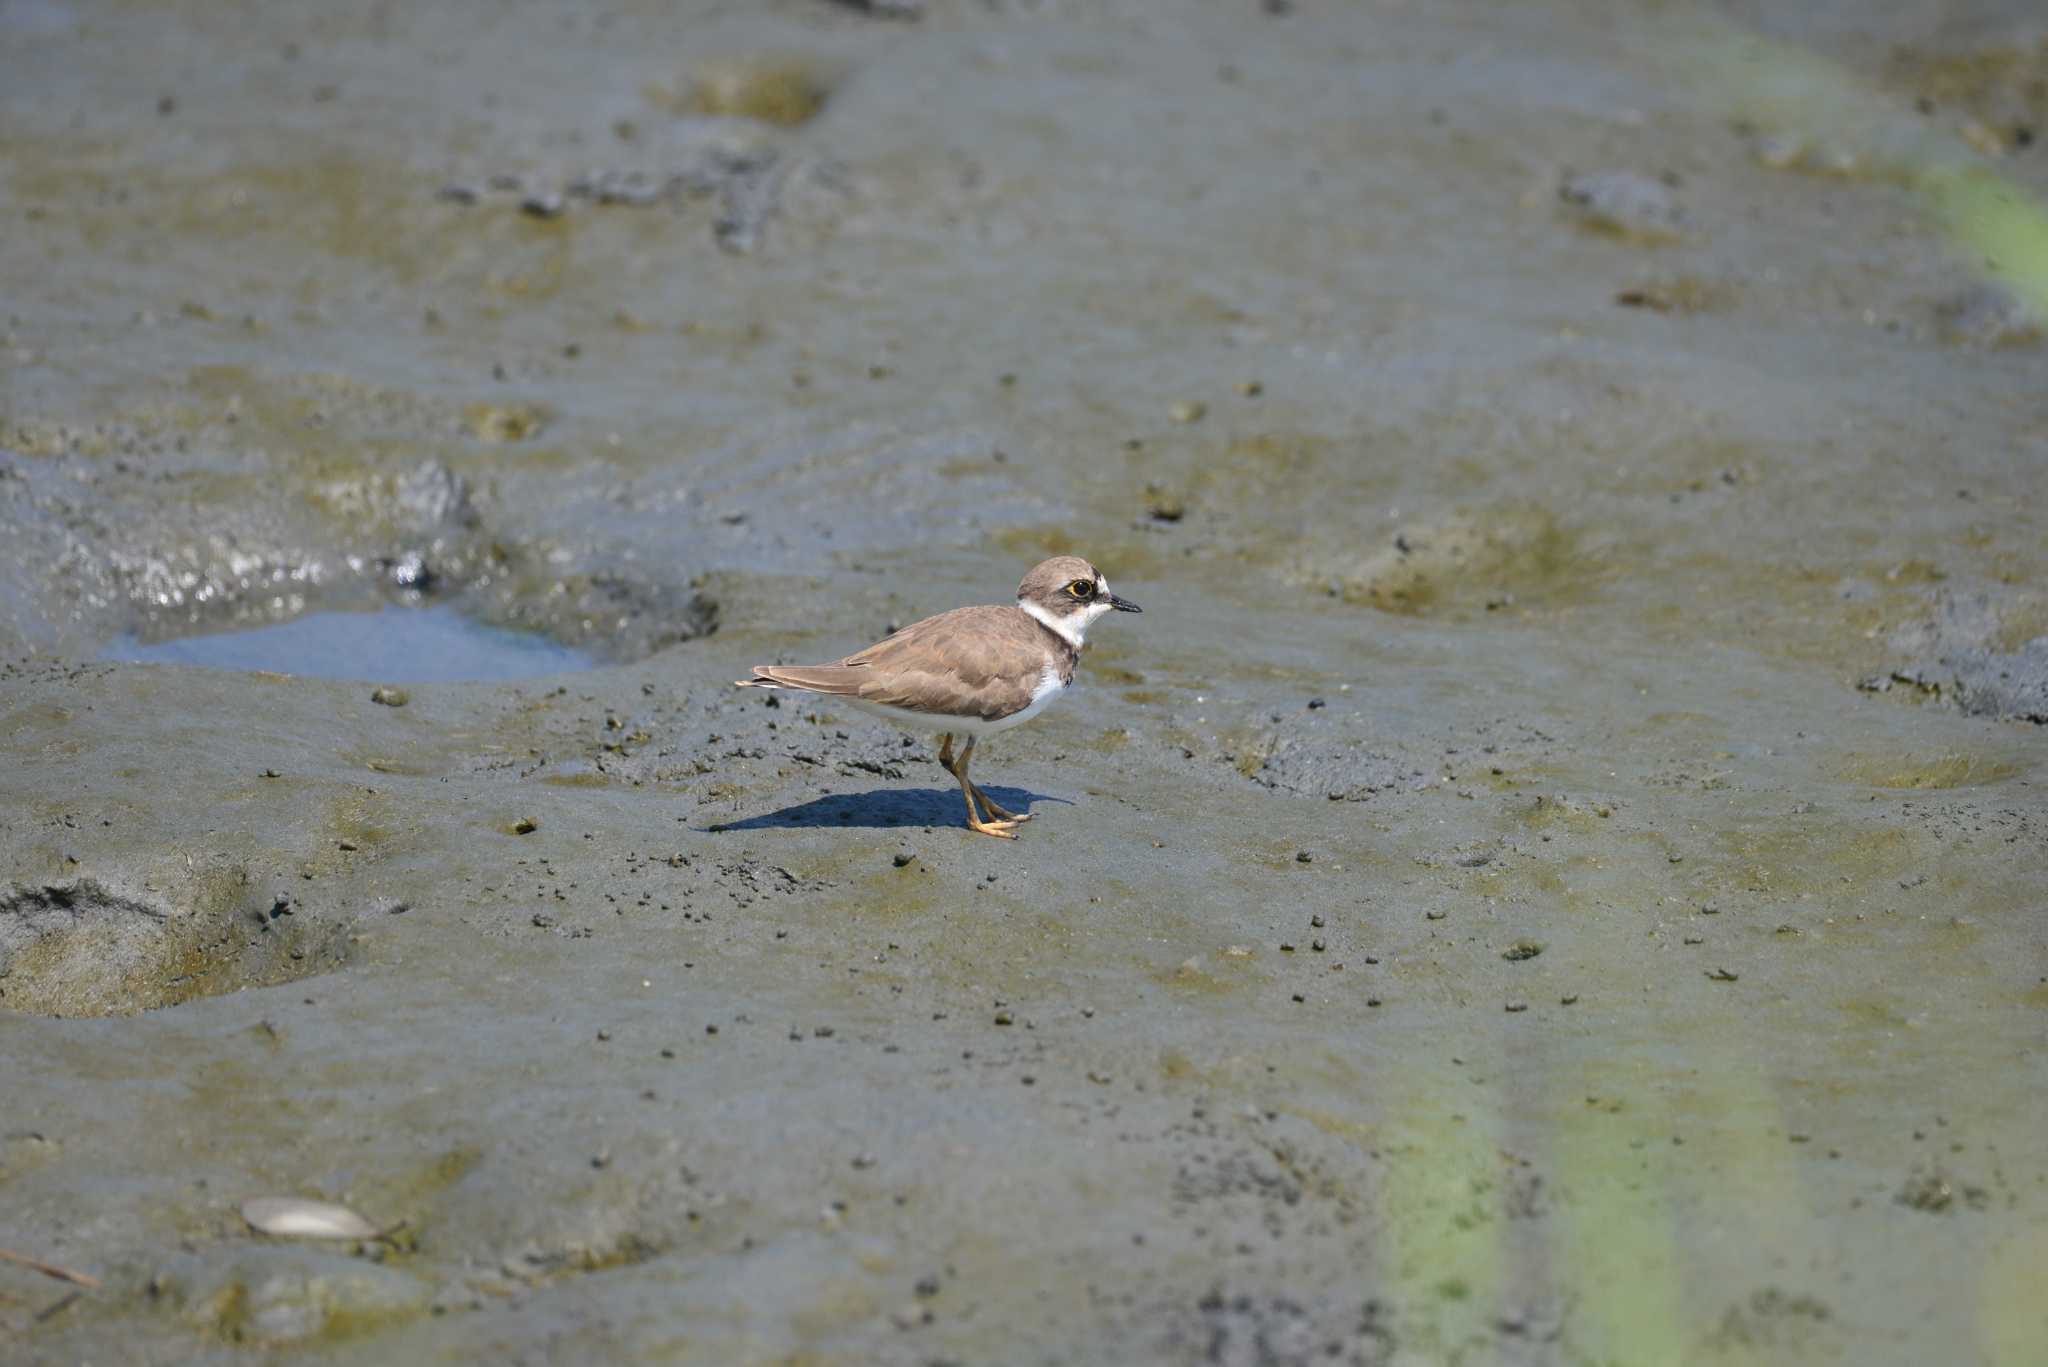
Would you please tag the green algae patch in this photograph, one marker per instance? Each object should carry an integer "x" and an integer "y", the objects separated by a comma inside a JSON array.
[
  {"x": 1926, "y": 772},
  {"x": 1507, "y": 556}
]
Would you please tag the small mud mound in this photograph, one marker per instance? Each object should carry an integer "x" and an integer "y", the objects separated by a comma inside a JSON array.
[
  {"x": 1491, "y": 559},
  {"x": 1956, "y": 656},
  {"x": 1983, "y": 683},
  {"x": 1340, "y": 771},
  {"x": 83, "y": 948},
  {"x": 1277, "y": 1330}
]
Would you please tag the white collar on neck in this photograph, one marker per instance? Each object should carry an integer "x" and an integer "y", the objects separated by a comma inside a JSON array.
[{"x": 1069, "y": 629}]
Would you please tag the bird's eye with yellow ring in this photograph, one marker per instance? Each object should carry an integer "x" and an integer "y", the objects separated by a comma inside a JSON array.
[{"x": 1080, "y": 588}]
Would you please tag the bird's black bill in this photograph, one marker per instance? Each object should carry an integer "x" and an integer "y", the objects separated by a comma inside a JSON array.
[{"x": 1123, "y": 604}]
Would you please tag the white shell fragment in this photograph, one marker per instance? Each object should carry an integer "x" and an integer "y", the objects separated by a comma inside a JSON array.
[{"x": 291, "y": 1217}]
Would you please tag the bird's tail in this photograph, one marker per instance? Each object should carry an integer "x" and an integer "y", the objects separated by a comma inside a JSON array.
[{"x": 809, "y": 678}]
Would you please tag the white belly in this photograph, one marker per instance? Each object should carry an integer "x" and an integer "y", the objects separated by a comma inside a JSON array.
[{"x": 1048, "y": 691}]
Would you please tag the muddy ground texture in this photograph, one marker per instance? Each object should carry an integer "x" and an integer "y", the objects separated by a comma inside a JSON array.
[{"x": 1554, "y": 876}]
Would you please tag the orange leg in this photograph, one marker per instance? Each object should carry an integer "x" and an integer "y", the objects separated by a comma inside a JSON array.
[
  {"x": 996, "y": 809},
  {"x": 957, "y": 767}
]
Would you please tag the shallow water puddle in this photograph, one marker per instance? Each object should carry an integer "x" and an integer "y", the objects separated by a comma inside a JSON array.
[{"x": 391, "y": 645}]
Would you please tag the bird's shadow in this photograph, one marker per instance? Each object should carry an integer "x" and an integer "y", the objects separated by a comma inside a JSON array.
[{"x": 882, "y": 808}]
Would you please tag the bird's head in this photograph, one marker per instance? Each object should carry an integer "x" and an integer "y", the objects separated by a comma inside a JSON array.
[{"x": 1067, "y": 593}]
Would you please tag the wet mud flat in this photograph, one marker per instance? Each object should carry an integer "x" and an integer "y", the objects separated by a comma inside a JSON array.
[{"x": 1554, "y": 876}]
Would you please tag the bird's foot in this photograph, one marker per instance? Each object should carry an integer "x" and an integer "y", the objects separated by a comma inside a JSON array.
[
  {"x": 999, "y": 829},
  {"x": 997, "y": 810}
]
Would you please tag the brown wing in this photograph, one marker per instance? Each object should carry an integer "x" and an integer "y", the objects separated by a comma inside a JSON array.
[{"x": 981, "y": 662}]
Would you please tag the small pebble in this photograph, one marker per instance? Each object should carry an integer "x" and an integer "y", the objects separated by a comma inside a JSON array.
[
  {"x": 1517, "y": 1006},
  {"x": 1187, "y": 411},
  {"x": 901, "y": 858},
  {"x": 390, "y": 697},
  {"x": 525, "y": 825},
  {"x": 1304, "y": 857}
]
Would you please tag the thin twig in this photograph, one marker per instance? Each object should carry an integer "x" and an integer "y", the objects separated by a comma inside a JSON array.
[
  {"x": 62, "y": 1274},
  {"x": 51, "y": 1311}
]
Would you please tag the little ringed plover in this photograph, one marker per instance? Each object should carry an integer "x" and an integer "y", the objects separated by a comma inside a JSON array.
[{"x": 970, "y": 672}]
